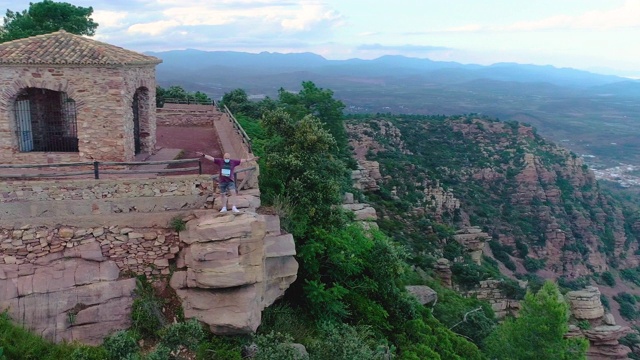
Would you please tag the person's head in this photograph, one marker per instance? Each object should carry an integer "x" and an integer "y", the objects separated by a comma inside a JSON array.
[{"x": 227, "y": 157}]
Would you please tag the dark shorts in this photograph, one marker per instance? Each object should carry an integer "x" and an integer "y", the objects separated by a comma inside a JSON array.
[{"x": 227, "y": 186}]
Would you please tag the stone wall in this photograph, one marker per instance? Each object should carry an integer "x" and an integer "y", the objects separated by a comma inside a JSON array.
[
  {"x": 140, "y": 250},
  {"x": 168, "y": 116},
  {"x": 22, "y": 200},
  {"x": 66, "y": 283},
  {"x": 103, "y": 98}
]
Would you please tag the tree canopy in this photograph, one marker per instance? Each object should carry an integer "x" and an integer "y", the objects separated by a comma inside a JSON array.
[
  {"x": 177, "y": 93},
  {"x": 538, "y": 333},
  {"x": 47, "y": 17}
]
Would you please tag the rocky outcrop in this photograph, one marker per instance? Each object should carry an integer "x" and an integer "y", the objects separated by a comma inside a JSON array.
[
  {"x": 443, "y": 271},
  {"x": 366, "y": 176},
  {"x": 363, "y": 212},
  {"x": 73, "y": 295},
  {"x": 604, "y": 343},
  {"x": 491, "y": 292},
  {"x": 585, "y": 304},
  {"x": 234, "y": 265},
  {"x": 473, "y": 240},
  {"x": 424, "y": 294},
  {"x": 603, "y": 335}
]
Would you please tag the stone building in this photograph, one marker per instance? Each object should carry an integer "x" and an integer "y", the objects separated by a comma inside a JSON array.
[{"x": 67, "y": 98}]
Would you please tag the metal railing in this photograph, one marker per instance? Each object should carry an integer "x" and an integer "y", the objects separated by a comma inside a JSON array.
[
  {"x": 189, "y": 101},
  {"x": 236, "y": 125},
  {"x": 97, "y": 171}
]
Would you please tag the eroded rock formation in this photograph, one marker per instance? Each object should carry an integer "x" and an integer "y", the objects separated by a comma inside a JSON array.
[
  {"x": 491, "y": 292},
  {"x": 473, "y": 239},
  {"x": 234, "y": 265},
  {"x": 603, "y": 334}
]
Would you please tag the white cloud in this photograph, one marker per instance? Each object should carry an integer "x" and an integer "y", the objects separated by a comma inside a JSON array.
[
  {"x": 153, "y": 28},
  {"x": 625, "y": 16},
  {"x": 107, "y": 19},
  {"x": 310, "y": 15}
]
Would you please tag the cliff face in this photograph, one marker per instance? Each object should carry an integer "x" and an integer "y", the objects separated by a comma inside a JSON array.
[{"x": 536, "y": 199}]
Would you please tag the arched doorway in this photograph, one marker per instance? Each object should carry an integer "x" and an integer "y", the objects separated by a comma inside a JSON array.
[
  {"x": 45, "y": 120},
  {"x": 135, "y": 107},
  {"x": 140, "y": 109}
]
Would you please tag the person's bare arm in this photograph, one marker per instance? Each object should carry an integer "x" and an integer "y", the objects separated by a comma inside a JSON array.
[
  {"x": 249, "y": 159},
  {"x": 205, "y": 156}
]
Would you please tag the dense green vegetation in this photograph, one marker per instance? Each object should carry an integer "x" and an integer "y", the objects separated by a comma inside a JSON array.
[{"x": 538, "y": 332}]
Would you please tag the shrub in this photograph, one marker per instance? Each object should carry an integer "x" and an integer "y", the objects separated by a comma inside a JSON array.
[
  {"x": 605, "y": 301},
  {"x": 286, "y": 319},
  {"x": 608, "y": 278},
  {"x": 339, "y": 341},
  {"x": 577, "y": 284},
  {"x": 276, "y": 346},
  {"x": 146, "y": 311},
  {"x": 161, "y": 352},
  {"x": 501, "y": 253},
  {"x": 177, "y": 224},
  {"x": 89, "y": 353},
  {"x": 17, "y": 342},
  {"x": 220, "y": 347},
  {"x": 533, "y": 265},
  {"x": 627, "y": 305},
  {"x": 584, "y": 324},
  {"x": 121, "y": 345},
  {"x": 188, "y": 334},
  {"x": 512, "y": 289}
]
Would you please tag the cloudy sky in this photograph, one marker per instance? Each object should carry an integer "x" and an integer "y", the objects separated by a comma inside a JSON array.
[{"x": 596, "y": 35}]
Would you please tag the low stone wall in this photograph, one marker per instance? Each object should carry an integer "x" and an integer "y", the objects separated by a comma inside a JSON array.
[
  {"x": 187, "y": 117},
  {"x": 91, "y": 189},
  {"x": 63, "y": 199},
  {"x": 139, "y": 251}
]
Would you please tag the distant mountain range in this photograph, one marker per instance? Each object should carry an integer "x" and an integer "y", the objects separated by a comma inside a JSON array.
[{"x": 588, "y": 111}]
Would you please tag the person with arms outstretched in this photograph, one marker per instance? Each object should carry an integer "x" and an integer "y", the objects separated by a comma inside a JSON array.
[{"x": 227, "y": 177}]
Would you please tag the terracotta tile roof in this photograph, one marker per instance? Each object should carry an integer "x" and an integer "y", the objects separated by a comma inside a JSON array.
[{"x": 63, "y": 48}]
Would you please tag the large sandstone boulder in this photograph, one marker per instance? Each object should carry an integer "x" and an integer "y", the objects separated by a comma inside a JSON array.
[
  {"x": 72, "y": 295},
  {"x": 234, "y": 266},
  {"x": 424, "y": 294},
  {"x": 604, "y": 343},
  {"x": 585, "y": 304}
]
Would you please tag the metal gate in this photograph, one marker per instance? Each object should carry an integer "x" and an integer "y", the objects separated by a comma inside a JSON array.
[
  {"x": 46, "y": 121},
  {"x": 135, "y": 107},
  {"x": 23, "y": 120}
]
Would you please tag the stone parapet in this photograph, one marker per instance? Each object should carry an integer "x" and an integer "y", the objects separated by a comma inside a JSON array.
[{"x": 187, "y": 117}]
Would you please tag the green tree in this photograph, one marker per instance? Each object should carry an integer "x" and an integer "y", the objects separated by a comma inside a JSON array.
[
  {"x": 319, "y": 103},
  {"x": 301, "y": 171},
  {"x": 47, "y": 17},
  {"x": 179, "y": 94},
  {"x": 538, "y": 333}
]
